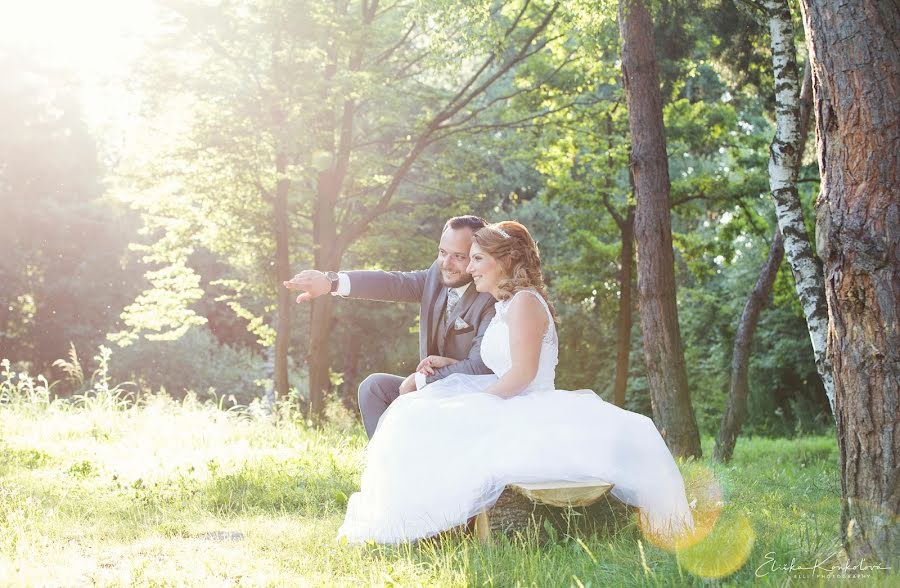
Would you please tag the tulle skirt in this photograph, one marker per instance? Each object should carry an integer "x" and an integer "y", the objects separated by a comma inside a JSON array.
[{"x": 445, "y": 453}]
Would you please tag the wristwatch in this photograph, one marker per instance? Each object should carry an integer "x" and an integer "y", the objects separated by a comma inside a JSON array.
[{"x": 333, "y": 276}]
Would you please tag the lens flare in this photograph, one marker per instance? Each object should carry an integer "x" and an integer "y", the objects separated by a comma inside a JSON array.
[
  {"x": 723, "y": 551},
  {"x": 704, "y": 495}
]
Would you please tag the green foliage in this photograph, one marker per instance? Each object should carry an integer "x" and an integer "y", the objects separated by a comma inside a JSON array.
[
  {"x": 198, "y": 362},
  {"x": 230, "y": 87},
  {"x": 305, "y": 485},
  {"x": 164, "y": 310},
  {"x": 102, "y": 397},
  {"x": 294, "y": 96},
  {"x": 64, "y": 272},
  {"x": 31, "y": 459},
  {"x": 21, "y": 389},
  {"x": 787, "y": 396}
]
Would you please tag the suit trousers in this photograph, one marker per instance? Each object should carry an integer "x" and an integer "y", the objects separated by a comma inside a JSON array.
[{"x": 376, "y": 393}]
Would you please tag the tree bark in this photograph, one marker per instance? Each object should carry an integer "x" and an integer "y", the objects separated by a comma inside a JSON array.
[
  {"x": 327, "y": 258},
  {"x": 856, "y": 81},
  {"x": 328, "y": 251},
  {"x": 663, "y": 352},
  {"x": 282, "y": 274},
  {"x": 784, "y": 156},
  {"x": 736, "y": 409}
]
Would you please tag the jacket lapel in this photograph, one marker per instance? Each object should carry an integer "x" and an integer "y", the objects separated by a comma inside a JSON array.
[{"x": 440, "y": 301}]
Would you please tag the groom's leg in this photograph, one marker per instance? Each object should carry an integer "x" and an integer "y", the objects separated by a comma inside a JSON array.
[{"x": 375, "y": 394}]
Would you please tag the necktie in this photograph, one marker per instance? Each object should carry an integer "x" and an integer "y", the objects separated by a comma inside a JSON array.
[{"x": 452, "y": 299}]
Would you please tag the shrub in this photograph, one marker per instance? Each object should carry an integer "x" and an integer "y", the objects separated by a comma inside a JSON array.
[{"x": 198, "y": 362}]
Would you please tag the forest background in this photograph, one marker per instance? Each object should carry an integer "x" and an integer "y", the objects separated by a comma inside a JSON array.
[{"x": 156, "y": 225}]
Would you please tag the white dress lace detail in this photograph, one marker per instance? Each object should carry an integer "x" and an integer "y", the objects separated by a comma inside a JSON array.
[
  {"x": 445, "y": 453},
  {"x": 497, "y": 355}
]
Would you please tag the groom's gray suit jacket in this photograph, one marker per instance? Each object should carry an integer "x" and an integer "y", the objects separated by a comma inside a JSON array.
[{"x": 437, "y": 336}]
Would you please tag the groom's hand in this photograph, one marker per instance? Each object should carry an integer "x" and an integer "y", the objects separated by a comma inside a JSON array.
[
  {"x": 408, "y": 385},
  {"x": 314, "y": 283},
  {"x": 433, "y": 362}
]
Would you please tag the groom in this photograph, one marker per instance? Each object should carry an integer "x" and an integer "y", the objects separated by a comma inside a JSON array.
[{"x": 453, "y": 315}]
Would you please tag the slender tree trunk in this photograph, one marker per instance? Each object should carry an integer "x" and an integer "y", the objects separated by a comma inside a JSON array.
[
  {"x": 283, "y": 273},
  {"x": 327, "y": 258},
  {"x": 736, "y": 408},
  {"x": 624, "y": 324},
  {"x": 663, "y": 352},
  {"x": 626, "y": 263},
  {"x": 856, "y": 81},
  {"x": 4, "y": 320},
  {"x": 327, "y": 250},
  {"x": 318, "y": 360},
  {"x": 269, "y": 395},
  {"x": 784, "y": 152}
]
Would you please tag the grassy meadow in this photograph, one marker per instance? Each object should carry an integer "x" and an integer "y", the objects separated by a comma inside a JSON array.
[{"x": 98, "y": 491}]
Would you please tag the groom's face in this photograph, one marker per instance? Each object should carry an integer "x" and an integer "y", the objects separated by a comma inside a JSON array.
[{"x": 453, "y": 256}]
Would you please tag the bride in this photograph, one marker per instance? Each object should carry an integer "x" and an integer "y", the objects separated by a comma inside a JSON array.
[{"x": 444, "y": 453}]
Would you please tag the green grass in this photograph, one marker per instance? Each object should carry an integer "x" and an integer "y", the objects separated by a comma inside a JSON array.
[{"x": 170, "y": 493}]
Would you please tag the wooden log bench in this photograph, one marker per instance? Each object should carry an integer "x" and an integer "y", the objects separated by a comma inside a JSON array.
[{"x": 559, "y": 494}]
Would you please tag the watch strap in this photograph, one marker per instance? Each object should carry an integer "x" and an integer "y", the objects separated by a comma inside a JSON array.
[{"x": 335, "y": 281}]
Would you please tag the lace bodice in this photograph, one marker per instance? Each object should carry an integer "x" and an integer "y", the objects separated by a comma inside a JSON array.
[{"x": 496, "y": 353}]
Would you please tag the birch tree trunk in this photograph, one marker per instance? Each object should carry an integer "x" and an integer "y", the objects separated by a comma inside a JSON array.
[
  {"x": 783, "y": 167},
  {"x": 856, "y": 82},
  {"x": 663, "y": 352}
]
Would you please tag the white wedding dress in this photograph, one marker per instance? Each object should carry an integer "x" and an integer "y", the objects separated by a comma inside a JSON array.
[{"x": 445, "y": 453}]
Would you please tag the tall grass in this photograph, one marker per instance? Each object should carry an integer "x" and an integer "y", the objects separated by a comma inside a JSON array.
[{"x": 117, "y": 489}]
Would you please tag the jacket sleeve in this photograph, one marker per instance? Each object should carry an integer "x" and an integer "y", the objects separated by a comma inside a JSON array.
[
  {"x": 472, "y": 364},
  {"x": 388, "y": 286}
]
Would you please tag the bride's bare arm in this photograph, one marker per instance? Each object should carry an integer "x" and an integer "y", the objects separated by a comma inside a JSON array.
[{"x": 527, "y": 322}]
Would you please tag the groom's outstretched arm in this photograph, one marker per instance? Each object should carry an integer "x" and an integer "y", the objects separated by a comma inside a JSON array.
[
  {"x": 472, "y": 364},
  {"x": 382, "y": 285},
  {"x": 374, "y": 285}
]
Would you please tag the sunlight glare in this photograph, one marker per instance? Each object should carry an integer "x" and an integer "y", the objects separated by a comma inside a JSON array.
[{"x": 96, "y": 41}]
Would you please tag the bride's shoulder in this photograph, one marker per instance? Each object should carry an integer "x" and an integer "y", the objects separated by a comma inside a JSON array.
[
  {"x": 529, "y": 307},
  {"x": 534, "y": 298}
]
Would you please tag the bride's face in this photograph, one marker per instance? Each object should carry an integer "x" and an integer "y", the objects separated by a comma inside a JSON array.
[{"x": 486, "y": 270}]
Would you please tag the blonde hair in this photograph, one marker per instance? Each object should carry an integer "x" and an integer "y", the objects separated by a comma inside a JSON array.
[{"x": 510, "y": 243}]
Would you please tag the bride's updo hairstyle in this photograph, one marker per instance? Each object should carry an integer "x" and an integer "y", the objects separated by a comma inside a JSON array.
[{"x": 510, "y": 243}]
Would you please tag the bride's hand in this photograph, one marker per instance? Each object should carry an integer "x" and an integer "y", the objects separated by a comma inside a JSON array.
[{"x": 433, "y": 362}]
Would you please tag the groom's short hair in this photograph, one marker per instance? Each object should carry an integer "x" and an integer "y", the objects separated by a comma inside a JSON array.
[{"x": 469, "y": 221}]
